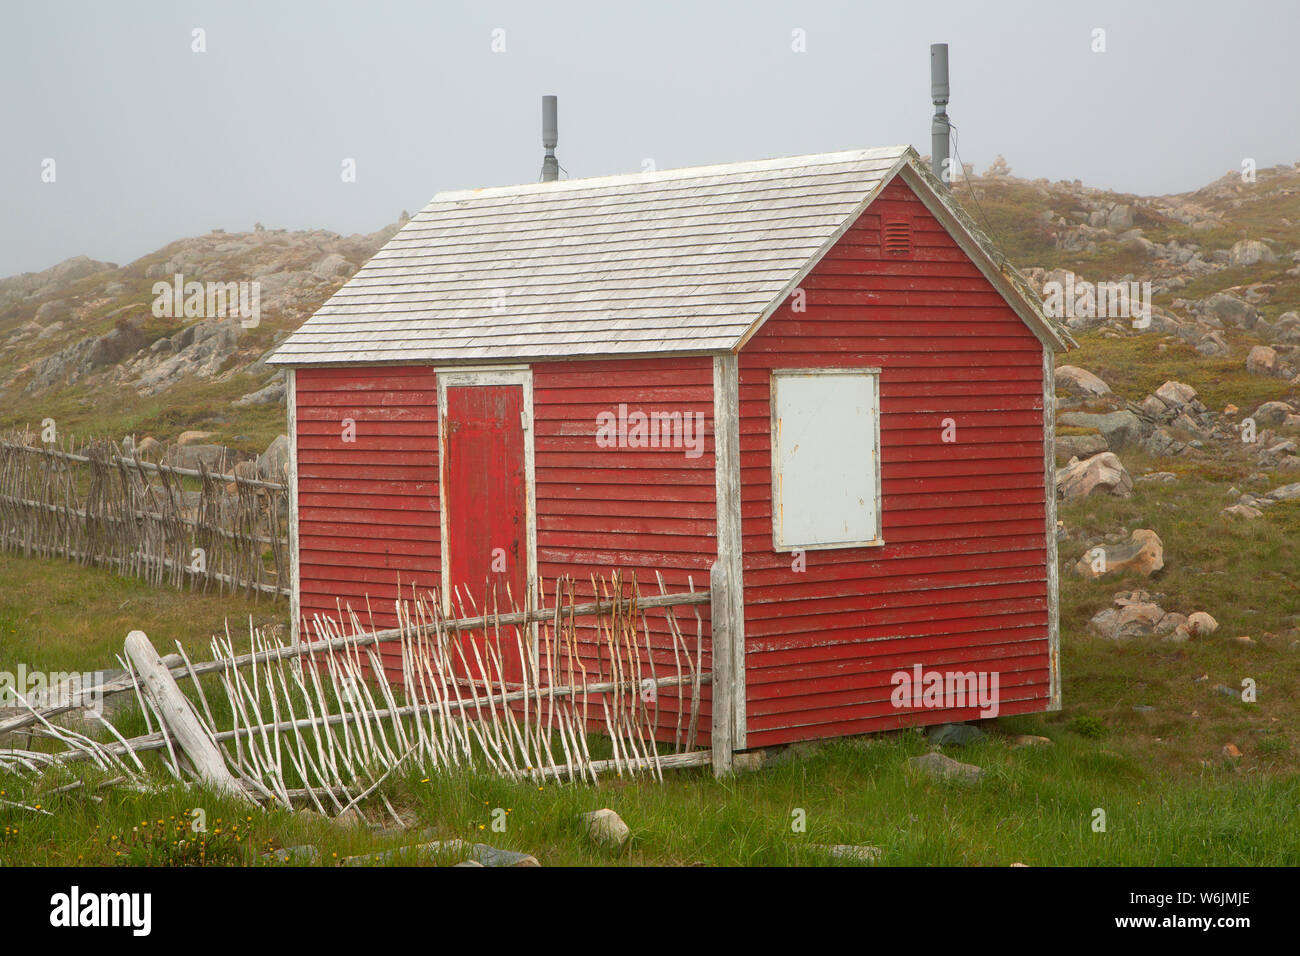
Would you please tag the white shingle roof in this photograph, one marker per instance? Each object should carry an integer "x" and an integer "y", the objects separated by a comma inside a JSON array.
[{"x": 683, "y": 260}]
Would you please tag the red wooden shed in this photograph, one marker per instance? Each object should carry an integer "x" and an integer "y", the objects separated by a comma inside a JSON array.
[{"x": 814, "y": 371}]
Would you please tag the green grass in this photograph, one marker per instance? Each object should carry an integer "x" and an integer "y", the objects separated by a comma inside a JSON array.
[
  {"x": 1169, "y": 797},
  {"x": 55, "y": 615},
  {"x": 1238, "y": 571},
  {"x": 1033, "y": 805},
  {"x": 1134, "y": 366}
]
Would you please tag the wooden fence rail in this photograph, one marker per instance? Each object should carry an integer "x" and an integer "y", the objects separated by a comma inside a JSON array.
[{"x": 164, "y": 524}]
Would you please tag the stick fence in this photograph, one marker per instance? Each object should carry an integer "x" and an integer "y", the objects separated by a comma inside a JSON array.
[
  {"x": 167, "y": 525},
  {"x": 319, "y": 721}
]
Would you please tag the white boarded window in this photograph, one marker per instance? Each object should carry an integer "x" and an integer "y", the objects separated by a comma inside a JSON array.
[{"x": 825, "y": 458}]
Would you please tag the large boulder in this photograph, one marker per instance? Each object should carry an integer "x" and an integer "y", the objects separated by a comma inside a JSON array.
[
  {"x": 1175, "y": 394},
  {"x": 1243, "y": 511},
  {"x": 1143, "y": 553},
  {"x": 1080, "y": 382},
  {"x": 89, "y": 355},
  {"x": 216, "y": 458},
  {"x": 333, "y": 266},
  {"x": 1286, "y": 329},
  {"x": 1213, "y": 345},
  {"x": 941, "y": 767},
  {"x": 55, "y": 310},
  {"x": 1120, "y": 429},
  {"x": 1103, "y": 472},
  {"x": 1128, "y": 620},
  {"x": 605, "y": 827},
  {"x": 1120, "y": 218},
  {"x": 271, "y": 394},
  {"x": 1079, "y": 446},
  {"x": 148, "y": 448},
  {"x": 1262, "y": 360},
  {"x": 1272, "y": 413},
  {"x": 1162, "y": 444},
  {"x": 1285, "y": 492},
  {"x": 1227, "y": 309},
  {"x": 1249, "y": 252},
  {"x": 275, "y": 460}
]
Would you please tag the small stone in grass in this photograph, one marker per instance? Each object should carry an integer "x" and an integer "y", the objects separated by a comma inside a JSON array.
[
  {"x": 605, "y": 826},
  {"x": 936, "y": 765}
]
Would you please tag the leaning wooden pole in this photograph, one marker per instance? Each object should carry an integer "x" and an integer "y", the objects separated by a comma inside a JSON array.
[{"x": 181, "y": 722}]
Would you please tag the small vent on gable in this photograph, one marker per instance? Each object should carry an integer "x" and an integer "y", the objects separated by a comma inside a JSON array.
[{"x": 897, "y": 237}]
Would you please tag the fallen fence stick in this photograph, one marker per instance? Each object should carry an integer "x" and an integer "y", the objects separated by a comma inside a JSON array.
[{"x": 178, "y": 717}]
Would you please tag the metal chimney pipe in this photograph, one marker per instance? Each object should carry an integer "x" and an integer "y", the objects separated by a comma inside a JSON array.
[
  {"x": 939, "y": 128},
  {"x": 550, "y": 136}
]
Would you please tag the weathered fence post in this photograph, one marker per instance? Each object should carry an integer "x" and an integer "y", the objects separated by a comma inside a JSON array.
[
  {"x": 720, "y": 626},
  {"x": 174, "y": 711}
]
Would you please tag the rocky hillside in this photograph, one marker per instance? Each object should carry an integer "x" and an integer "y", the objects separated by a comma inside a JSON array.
[{"x": 80, "y": 343}]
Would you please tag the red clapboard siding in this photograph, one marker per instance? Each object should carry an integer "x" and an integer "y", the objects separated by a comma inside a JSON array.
[
  {"x": 368, "y": 510},
  {"x": 645, "y": 511},
  {"x": 960, "y": 583}
]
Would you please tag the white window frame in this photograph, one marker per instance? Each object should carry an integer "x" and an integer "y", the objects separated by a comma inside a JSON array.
[{"x": 778, "y": 543}]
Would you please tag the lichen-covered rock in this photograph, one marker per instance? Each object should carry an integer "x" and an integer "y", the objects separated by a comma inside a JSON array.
[
  {"x": 1249, "y": 252},
  {"x": 1120, "y": 429},
  {"x": 1143, "y": 554},
  {"x": 1103, "y": 472},
  {"x": 1262, "y": 360},
  {"x": 945, "y": 768},
  {"x": 1080, "y": 382},
  {"x": 1079, "y": 446},
  {"x": 606, "y": 827},
  {"x": 1272, "y": 413}
]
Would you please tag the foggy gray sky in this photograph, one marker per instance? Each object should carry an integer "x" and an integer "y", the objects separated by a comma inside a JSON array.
[{"x": 154, "y": 142}]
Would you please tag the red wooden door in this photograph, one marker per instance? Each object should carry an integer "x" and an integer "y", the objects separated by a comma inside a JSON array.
[{"x": 486, "y": 499}]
